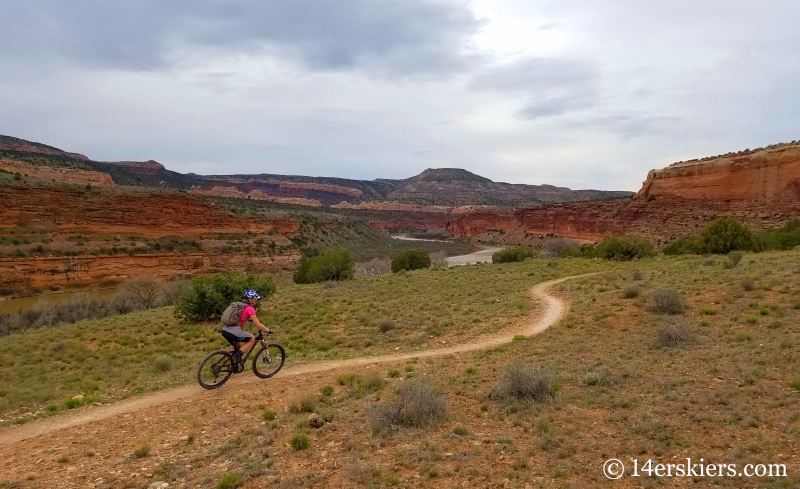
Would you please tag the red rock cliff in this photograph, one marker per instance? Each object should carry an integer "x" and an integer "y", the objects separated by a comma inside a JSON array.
[
  {"x": 761, "y": 188},
  {"x": 146, "y": 214},
  {"x": 762, "y": 174}
]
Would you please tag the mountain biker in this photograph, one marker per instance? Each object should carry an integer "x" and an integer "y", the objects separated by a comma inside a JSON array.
[{"x": 241, "y": 340}]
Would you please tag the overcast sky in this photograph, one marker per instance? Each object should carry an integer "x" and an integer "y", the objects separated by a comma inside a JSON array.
[{"x": 577, "y": 93}]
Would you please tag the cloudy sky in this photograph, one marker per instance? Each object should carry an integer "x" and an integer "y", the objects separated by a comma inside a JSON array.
[{"x": 578, "y": 93}]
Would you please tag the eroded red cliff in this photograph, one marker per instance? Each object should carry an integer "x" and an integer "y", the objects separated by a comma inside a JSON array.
[
  {"x": 761, "y": 188},
  {"x": 148, "y": 214}
]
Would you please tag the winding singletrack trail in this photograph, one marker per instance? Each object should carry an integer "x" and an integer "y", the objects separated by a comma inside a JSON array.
[{"x": 550, "y": 312}]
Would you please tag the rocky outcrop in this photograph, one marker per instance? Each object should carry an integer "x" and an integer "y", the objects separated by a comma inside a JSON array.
[
  {"x": 8, "y": 143},
  {"x": 147, "y": 165},
  {"x": 92, "y": 270},
  {"x": 253, "y": 194},
  {"x": 768, "y": 173},
  {"x": 399, "y": 206},
  {"x": 146, "y": 214},
  {"x": 660, "y": 220},
  {"x": 760, "y": 188},
  {"x": 57, "y": 173}
]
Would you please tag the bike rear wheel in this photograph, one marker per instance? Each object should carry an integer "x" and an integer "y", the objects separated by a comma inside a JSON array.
[
  {"x": 269, "y": 360},
  {"x": 215, "y": 369}
]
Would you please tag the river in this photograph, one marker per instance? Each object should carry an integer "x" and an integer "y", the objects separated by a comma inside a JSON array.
[
  {"x": 483, "y": 255},
  {"x": 19, "y": 304}
]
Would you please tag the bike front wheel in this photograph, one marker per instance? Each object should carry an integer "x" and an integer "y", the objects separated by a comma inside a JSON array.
[
  {"x": 269, "y": 360},
  {"x": 215, "y": 369}
]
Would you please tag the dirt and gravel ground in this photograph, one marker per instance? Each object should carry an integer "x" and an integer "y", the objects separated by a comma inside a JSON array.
[{"x": 93, "y": 446}]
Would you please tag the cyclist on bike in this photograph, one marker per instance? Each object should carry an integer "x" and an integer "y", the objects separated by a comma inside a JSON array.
[{"x": 241, "y": 340}]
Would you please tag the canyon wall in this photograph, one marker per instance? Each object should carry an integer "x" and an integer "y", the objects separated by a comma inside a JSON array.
[
  {"x": 769, "y": 173},
  {"x": 57, "y": 173},
  {"x": 94, "y": 270},
  {"x": 760, "y": 188},
  {"x": 147, "y": 214}
]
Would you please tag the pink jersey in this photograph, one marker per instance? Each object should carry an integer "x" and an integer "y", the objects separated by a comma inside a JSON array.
[{"x": 246, "y": 313}]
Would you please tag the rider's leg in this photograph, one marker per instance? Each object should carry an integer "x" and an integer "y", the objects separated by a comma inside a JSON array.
[{"x": 245, "y": 347}]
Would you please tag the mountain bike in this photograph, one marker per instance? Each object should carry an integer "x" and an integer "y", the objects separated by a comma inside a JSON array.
[{"x": 218, "y": 366}]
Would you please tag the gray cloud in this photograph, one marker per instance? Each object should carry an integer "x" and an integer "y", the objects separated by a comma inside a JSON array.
[
  {"x": 546, "y": 87},
  {"x": 392, "y": 36}
]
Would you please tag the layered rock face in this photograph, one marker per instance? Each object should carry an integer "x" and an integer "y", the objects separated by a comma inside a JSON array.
[
  {"x": 91, "y": 270},
  {"x": 758, "y": 187},
  {"x": 768, "y": 173},
  {"x": 147, "y": 214},
  {"x": 57, "y": 174}
]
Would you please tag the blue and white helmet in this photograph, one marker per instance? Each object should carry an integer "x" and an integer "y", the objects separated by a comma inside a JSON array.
[{"x": 251, "y": 294}]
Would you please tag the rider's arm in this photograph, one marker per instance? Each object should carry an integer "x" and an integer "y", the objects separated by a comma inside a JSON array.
[{"x": 259, "y": 325}]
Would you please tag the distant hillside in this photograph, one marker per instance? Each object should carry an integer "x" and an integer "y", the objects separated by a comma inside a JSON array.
[
  {"x": 457, "y": 187},
  {"x": 433, "y": 187}
]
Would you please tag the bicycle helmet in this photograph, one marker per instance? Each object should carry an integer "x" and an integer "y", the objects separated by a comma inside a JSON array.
[{"x": 251, "y": 294}]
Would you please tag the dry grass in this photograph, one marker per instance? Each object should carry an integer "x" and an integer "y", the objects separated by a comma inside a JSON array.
[{"x": 731, "y": 396}]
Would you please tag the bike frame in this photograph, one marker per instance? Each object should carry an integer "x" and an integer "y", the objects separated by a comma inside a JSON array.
[{"x": 259, "y": 339}]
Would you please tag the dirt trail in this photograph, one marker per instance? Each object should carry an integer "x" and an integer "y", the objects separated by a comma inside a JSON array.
[{"x": 551, "y": 310}]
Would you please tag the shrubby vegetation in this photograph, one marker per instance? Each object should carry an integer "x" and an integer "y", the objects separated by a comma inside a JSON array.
[
  {"x": 136, "y": 295},
  {"x": 727, "y": 234},
  {"x": 666, "y": 302},
  {"x": 330, "y": 265},
  {"x": 509, "y": 255},
  {"x": 624, "y": 248},
  {"x": 415, "y": 259},
  {"x": 673, "y": 333},
  {"x": 783, "y": 238},
  {"x": 208, "y": 296},
  {"x": 519, "y": 381},
  {"x": 415, "y": 403}
]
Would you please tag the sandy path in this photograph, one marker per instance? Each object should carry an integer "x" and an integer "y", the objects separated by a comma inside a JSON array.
[{"x": 550, "y": 311}]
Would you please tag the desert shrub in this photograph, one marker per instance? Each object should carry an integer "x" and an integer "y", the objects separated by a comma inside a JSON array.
[
  {"x": 142, "y": 293},
  {"x": 624, "y": 248},
  {"x": 734, "y": 257},
  {"x": 665, "y": 302},
  {"x": 414, "y": 403},
  {"x": 171, "y": 289},
  {"x": 509, "y": 255},
  {"x": 637, "y": 275},
  {"x": 748, "y": 284},
  {"x": 386, "y": 325},
  {"x": 300, "y": 442},
  {"x": 306, "y": 404},
  {"x": 438, "y": 259},
  {"x": 330, "y": 265},
  {"x": 231, "y": 480},
  {"x": 415, "y": 259},
  {"x": 142, "y": 452},
  {"x": 588, "y": 251},
  {"x": 570, "y": 252},
  {"x": 77, "y": 309},
  {"x": 727, "y": 234},
  {"x": 555, "y": 246},
  {"x": 631, "y": 292},
  {"x": 783, "y": 238},
  {"x": 520, "y": 381},
  {"x": 163, "y": 363},
  {"x": 207, "y": 297},
  {"x": 673, "y": 333},
  {"x": 373, "y": 267},
  {"x": 685, "y": 245}
]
